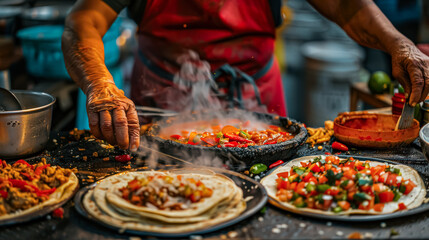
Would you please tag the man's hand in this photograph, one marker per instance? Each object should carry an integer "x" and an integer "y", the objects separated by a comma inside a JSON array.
[
  {"x": 112, "y": 116},
  {"x": 411, "y": 68}
]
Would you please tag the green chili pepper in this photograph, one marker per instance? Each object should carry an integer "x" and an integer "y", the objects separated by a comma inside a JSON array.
[
  {"x": 258, "y": 168},
  {"x": 362, "y": 182},
  {"x": 344, "y": 184},
  {"x": 322, "y": 187},
  {"x": 219, "y": 135},
  {"x": 360, "y": 197},
  {"x": 310, "y": 187},
  {"x": 244, "y": 134},
  {"x": 337, "y": 209},
  {"x": 397, "y": 196},
  {"x": 402, "y": 188},
  {"x": 396, "y": 170}
]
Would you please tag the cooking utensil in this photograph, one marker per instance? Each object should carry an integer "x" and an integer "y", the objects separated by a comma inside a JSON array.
[
  {"x": 25, "y": 132},
  {"x": 406, "y": 118},
  {"x": 424, "y": 140},
  {"x": 8, "y": 101},
  {"x": 154, "y": 112},
  {"x": 232, "y": 156},
  {"x": 373, "y": 130}
]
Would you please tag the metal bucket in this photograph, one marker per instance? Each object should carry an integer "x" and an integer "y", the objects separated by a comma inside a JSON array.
[
  {"x": 26, "y": 131},
  {"x": 330, "y": 68}
]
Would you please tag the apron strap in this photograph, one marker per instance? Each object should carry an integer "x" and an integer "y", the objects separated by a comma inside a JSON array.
[{"x": 237, "y": 78}]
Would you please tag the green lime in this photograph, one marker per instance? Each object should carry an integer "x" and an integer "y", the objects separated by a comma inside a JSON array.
[
  {"x": 401, "y": 89},
  {"x": 379, "y": 82}
]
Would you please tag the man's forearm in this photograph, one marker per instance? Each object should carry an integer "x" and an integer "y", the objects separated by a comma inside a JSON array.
[
  {"x": 84, "y": 55},
  {"x": 363, "y": 21}
]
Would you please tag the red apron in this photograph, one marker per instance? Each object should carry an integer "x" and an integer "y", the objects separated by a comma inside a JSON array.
[{"x": 220, "y": 31}]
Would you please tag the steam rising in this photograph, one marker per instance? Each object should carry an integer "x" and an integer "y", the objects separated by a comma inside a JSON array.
[{"x": 195, "y": 80}]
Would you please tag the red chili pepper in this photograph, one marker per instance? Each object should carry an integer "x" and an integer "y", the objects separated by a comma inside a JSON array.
[
  {"x": 210, "y": 140},
  {"x": 46, "y": 192},
  {"x": 275, "y": 164},
  {"x": 402, "y": 206},
  {"x": 176, "y": 136},
  {"x": 123, "y": 158},
  {"x": 327, "y": 153},
  {"x": 58, "y": 213},
  {"x": 40, "y": 169},
  {"x": 270, "y": 142},
  {"x": 23, "y": 185},
  {"x": 4, "y": 194},
  {"x": 28, "y": 176},
  {"x": 244, "y": 145},
  {"x": 231, "y": 144},
  {"x": 237, "y": 138},
  {"x": 3, "y": 164},
  {"x": 339, "y": 146},
  {"x": 23, "y": 162}
]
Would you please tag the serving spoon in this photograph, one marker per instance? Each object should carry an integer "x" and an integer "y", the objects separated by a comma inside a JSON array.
[{"x": 8, "y": 101}]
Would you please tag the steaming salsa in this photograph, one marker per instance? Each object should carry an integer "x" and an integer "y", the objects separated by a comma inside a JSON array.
[{"x": 231, "y": 133}]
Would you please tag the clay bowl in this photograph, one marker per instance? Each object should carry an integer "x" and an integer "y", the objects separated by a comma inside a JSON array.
[
  {"x": 232, "y": 156},
  {"x": 372, "y": 130}
]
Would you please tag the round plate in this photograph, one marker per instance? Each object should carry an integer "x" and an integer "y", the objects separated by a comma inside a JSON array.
[
  {"x": 356, "y": 218},
  {"x": 37, "y": 214},
  {"x": 251, "y": 188}
]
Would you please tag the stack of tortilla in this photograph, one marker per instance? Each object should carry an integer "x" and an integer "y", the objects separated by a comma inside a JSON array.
[{"x": 104, "y": 202}]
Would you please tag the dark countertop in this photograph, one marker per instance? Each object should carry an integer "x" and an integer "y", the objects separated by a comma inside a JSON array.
[{"x": 271, "y": 224}]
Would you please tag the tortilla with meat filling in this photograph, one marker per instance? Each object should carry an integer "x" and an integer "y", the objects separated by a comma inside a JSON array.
[
  {"x": 28, "y": 188},
  {"x": 410, "y": 200},
  {"x": 227, "y": 203}
]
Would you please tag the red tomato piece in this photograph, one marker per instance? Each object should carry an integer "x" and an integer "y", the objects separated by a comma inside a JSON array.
[
  {"x": 283, "y": 174},
  {"x": 307, "y": 177},
  {"x": 58, "y": 213},
  {"x": 344, "y": 205},
  {"x": 409, "y": 187},
  {"x": 402, "y": 206},
  {"x": 386, "y": 196},
  {"x": 322, "y": 179},
  {"x": 378, "y": 207}
]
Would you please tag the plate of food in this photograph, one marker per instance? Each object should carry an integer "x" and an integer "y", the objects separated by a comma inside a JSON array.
[
  {"x": 346, "y": 188},
  {"x": 237, "y": 136},
  {"x": 173, "y": 203},
  {"x": 29, "y": 191}
]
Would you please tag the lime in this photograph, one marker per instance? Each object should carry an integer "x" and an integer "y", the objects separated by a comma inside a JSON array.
[
  {"x": 401, "y": 89},
  {"x": 379, "y": 82}
]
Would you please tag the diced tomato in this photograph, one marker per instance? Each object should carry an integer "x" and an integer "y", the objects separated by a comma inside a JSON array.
[
  {"x": 136, "y": 200},
  {"x": 322, "y": 179},
  {"x": 229, "y": 129},
  {"x": 377, "y": 169},
  {"x": 314, "y": 168},
  {"x": 376, "y": 178},
  {"x": 283, "y": 174},
  {"x": 402, "y": 206},
  {"x": 344, "y": 205},
  {"x": 134, "y": 184},
  {"x": 392, "y": 180},
  {"x": 383, "y": 177},
  {"x": 350, "y": 184},
  {"x": 350, "y": 174},
  {"x": 304, "y": 164},
  {"x": 282, "y": 195},
  {"x": 283, "y": 184},
  {"x": 125, "y": 193},
  {"x": 350, "y": 195},
  {"x": 378, "y": 187},
  {"x": 327, "y": 204},
  {"x": 308, "y": 176},
  {"x": 310, "y": 202},
  {"x": 409, "y": 187},
  {"x": 292, "y": 186},
  {"x": 300, "y": 189},
  {"x": 386, "y": 196},
  {"x": 378, "y": 207},
  {"x": 195, "y": 196},
  {"x": 367, "y": 205},
  {"x": 328, "y": 166},
  {"x": 332, "y": 191},
  {"x": 207, "y": 192},
  {"x": 313, "y": 179},
  {"x": 366, "y": 188}
]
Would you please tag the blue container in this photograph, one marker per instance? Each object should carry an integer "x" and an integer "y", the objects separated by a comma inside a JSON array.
[{"x": 41, "y": 47}]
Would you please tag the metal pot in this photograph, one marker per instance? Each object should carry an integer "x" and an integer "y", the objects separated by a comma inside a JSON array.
[{"x": 26, "y": 131}]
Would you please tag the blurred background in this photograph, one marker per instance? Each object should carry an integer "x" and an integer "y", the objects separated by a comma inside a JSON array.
[{"x": 324, "y": 71}]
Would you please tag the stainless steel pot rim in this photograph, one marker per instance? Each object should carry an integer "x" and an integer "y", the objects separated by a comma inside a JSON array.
[{"x": 30, "y": 110}]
